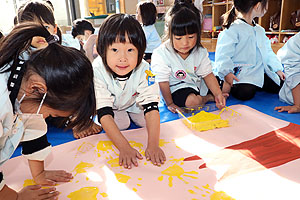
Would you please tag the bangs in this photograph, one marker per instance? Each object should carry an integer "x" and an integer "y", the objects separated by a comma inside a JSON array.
[
  {"x": 189, "y": 24},
  {"x": 37, "y": 11},
  {"x": 125, "y": 28}
]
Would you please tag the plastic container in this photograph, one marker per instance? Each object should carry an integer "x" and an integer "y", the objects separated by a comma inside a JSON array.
[{"x": 208, "y": 117}]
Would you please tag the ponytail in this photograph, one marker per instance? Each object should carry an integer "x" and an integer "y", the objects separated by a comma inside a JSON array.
[
  {"x": 11, "y": 47},
  {"x": 228, "y": 18}
]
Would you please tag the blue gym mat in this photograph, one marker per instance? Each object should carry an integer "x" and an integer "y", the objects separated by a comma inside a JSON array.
[{"x": 263, "y": 102}]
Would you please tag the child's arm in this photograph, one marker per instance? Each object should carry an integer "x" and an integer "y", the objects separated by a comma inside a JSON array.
[
  {"x": 153, "y": 151},
  {"x": 29, "y": 192},
  {"x": 214, "y": 87},
  {"x": 47, "y": 177},
  {"x": 128, "y": 154},
  {"x": 166, "y": 93},
  {"x": 294, "y": 108}
]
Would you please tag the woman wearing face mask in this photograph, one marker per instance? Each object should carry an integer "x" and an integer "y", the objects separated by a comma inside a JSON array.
[{"x": 55, "y": 81}]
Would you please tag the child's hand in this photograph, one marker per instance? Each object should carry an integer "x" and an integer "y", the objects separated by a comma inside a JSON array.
[
  {"x": 128, "y": 157},
  {"x": 281, "y": 75},
  {"x": 156, "y": 155},
  {"x": 35, "y": 192},
  {"x": 221, "y": 100},
  {"x": 230, "y": 77},
  {"x": 289, "y": 109},
  {"x": 50, "y": 177},
  {"x": 172, "y": 107}
]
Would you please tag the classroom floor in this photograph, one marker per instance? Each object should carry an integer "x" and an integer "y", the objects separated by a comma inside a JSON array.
[{"x": 263, "y": 102}]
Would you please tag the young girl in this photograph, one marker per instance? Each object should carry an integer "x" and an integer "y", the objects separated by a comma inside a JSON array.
[
  {"x": 289, "y": 55},
  {"x": 181, "y": 63},
  {"x": 42, "y": 12},
  {"x": 125, "y": 88},
  {"x": 146, "y": 15},
  {"x": 55, "y": 81},
  {"x": 244, "y": 57}
]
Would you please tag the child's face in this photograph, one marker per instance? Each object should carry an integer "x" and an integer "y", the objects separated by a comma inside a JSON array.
[
  {"x": 122, "y": 57},
  {"x": 40, "y": 42},
  {"x": 183, "y": 44},
  {"x": 83, "y": 38},
  {"x": 259, "y": 11}
]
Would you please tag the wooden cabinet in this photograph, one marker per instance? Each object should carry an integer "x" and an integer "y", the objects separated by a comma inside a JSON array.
[{"x": 213, "y": 10}]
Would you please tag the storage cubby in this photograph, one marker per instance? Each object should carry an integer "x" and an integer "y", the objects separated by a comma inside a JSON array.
[{"x": 284, "y": 8}]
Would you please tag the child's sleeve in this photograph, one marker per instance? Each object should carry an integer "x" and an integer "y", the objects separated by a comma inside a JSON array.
[
  {"x": 289, "y": 54},
  {"x": 148, "y": 89},
  {"x": 159, "y": 67},
  {"x": 272, "y": 60},
  {"x": 225, "y": 50}
]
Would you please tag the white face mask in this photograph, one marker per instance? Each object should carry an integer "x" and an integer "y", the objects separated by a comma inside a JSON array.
[{"x": 34, "y": 124}]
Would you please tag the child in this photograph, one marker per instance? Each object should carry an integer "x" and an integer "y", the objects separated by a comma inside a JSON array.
[
  {"x": 125, "y": 88},
  {"x": 244, "y": 57},
  {"x": 289, "y": 55},
  {"x": 42, "y": 12},
  {"x": 82, "y": 30},
  {"x": 146, "y": 15},
  {"x": 181, "y": 63},
  {"x": 55, "y": 81}
]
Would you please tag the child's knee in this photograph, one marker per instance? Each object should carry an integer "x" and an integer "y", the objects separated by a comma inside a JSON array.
[{"x": 193, "y": 100}]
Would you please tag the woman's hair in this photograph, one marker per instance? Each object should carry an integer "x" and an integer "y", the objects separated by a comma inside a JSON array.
[
  {"x": 80, "y": 25},
  {"x": 243, "y": 6},
  {"x": 67, "y": 72},
  {"x": 1, "y": 35},
  {"x": 182, "y": 19},
  {"x": 115, "y": 28},
  {"x": 148, "y": 12}
]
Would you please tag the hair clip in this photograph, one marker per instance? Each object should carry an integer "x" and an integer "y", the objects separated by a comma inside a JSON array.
[{"x": 52, "y": 39}]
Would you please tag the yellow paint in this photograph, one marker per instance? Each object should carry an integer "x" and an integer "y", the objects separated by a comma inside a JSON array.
[
  {"x": 140, "y": 179},
  {"x": 99, "y": 155},
  {"x": 77, "y": 182},
  {"x": 220, "y": 196},
  {"x": 192, "y": 192},
  {"x": 206, "y": 187},
  {"x": 87, "y": 178},
  {"x": 162, "y": 142},
  {"x": 114, "y": 162},
  {"x": 176, "y": 159},
  {"x": 84, "y": 147},
  {"x": 204, "y": 121},
  {"x": 104, "y": 194},
  {"x": 139, "y": 184},
  {"x": 28, "y": 182},
  {"x": 177, "y": 171},
  {"x": 86, "y": 193},
  {"x": 136, "y": 144},
  {"x": 134, "y": 189},
  {"x": 80, "y": 168},
  {"x": 145, "y": 163},
  {"x": 105, "y": 146},
  {"x": 122, "y": 178},
  {"x": 160, "y": 178}
]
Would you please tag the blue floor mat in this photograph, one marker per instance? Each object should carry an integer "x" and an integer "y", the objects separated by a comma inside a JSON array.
[{"x": 263, "y": 102}]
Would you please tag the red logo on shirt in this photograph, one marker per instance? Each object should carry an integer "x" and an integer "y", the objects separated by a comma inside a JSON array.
[
  {"x": 134, "y": 94},
  {"x": 180, "y": 74}
]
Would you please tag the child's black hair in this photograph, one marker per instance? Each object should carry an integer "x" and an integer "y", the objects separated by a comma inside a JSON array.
[
  {"x": 182, "y": 19},
  {"x": 148, "y": 12},
  {"x": 115, "y": 28},
  {"x": 67, "y": 72},
  {"x": 80, "y": 25},
  {"x": 36, "y": 10},
  {"x": 243, "y": 6}
]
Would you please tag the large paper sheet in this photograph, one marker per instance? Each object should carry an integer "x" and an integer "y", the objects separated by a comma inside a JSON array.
[{"x": 257, "y": 157}]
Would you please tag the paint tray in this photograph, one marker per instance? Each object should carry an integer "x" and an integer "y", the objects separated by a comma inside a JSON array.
[{"x": 207, "y": 117}]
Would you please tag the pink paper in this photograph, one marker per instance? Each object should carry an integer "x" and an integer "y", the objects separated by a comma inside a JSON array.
[{"x": 200, "y": 165}]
